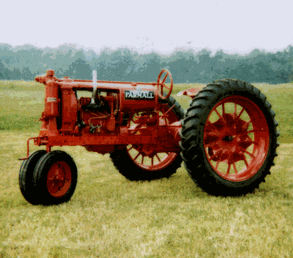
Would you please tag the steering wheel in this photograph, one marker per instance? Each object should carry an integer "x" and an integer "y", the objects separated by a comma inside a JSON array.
[{"x": 163, "y": 85}]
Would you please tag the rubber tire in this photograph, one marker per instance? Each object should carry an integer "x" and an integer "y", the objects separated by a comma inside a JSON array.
[
  {"x": 40, "y": 177},
  {"x": 126, "y": 166},
  {"x": 26, "y": 171},
  {"x": 192, "y": 144}
]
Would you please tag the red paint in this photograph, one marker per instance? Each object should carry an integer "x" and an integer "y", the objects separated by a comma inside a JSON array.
[
  {"x": 127, "y": 113},
  {"x": 59, "y": 179},
  {"x": 242, "y": 135},
  {"x": 189, "y": 92}
]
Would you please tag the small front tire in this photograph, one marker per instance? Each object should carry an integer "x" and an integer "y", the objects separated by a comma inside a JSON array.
[
  {"x": 26, "y": 171},
  {"x": 55, "y": 178}
]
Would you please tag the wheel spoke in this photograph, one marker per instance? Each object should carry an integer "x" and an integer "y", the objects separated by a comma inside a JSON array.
[
  {"x": 158, "y": 157},
  {"x": 142, "y": 160},
  {"x": 247, "y": 132},
  {"x": 166, "y": 121},
  {"x": 252, "y": 131},
  {"x": 218, "y": 113},
  {"x": 163, "y": 81},
  {"x": 245, "y": 161},
  {"x": 255, "y": 143},
  {"x": 228, "y": 169},
  {"x": 223, "y": 108},
  {"x": 165, "y": 113},
  {"x": 217, "y": 165},
  {"x": 221, "y": 117},
  {"x": 250, "y": 154},
  {"x": 242, "y": 110},
  {"x": 137, "y": 156},
  {"x": 245, "y": 126},
  {"x": 235, "y": 169}
]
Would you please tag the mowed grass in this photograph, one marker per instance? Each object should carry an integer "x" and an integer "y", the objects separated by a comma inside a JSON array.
[
  {"x": 109, "y": 216},
  {"x": 21, "y": 105}
]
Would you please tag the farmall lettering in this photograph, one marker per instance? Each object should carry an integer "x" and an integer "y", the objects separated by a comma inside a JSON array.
[
  {"x": 227, "y": 138},
  {"x": 139, "y": 94}
]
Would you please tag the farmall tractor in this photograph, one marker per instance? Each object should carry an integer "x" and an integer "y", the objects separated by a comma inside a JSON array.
[{"x": 227, "y": 138}]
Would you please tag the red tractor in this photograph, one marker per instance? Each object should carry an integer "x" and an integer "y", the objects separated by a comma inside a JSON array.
[{"x": 227, "y": 138}]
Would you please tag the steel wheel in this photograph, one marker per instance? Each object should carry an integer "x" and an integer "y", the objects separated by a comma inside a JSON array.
[
  {"x": 229, "y": 138},
  {"x": 236, "y": 138},
  {"x": 146, "y": 156},
  {"x": 145, "y": 162}
]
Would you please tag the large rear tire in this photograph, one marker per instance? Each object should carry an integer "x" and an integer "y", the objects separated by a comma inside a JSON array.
[
  {"x": 134, "y": 165},
  {"x": 229, "y": 138}
]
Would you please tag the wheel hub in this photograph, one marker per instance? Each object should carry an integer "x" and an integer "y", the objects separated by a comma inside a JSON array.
[
  {"x": 228, "y": 138},
  {"x": 58, "y": 179}
]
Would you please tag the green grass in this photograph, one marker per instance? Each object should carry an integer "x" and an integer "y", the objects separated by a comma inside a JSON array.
[
  {"x": 109, "y": 216},
  {"x": 21, "y": 105}
]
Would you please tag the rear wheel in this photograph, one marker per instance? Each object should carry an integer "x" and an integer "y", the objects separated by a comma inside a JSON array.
[
  {"x": 143, "y": 162},
  {"x": 55, "y": 178},
  {"x": 26, "y": 176},
  {"x": 229, "y": 138}
]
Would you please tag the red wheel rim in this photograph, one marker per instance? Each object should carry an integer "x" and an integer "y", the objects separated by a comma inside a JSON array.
[
  {"x": 59, "y": 179},
  {"x": 157, "y": 161},
  {"x": 236, "y": 138}
]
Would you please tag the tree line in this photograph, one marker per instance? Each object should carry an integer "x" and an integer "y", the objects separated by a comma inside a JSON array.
[{"x": 123, "y": 64}]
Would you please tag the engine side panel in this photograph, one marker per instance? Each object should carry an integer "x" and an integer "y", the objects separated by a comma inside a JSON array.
[{"x": 138, "y": 99}]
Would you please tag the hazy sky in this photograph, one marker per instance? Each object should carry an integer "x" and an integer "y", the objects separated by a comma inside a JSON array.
[{"x": 232, "y": 25}]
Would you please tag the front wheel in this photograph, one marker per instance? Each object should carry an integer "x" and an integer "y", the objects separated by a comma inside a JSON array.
[
  {"x": 229, "y": 138},
  {"x": 26, "y": 171},
  {"x": 55, "y": 178}
]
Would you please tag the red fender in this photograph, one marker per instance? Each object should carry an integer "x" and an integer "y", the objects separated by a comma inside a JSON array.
[{"x": 190, "y": 92}]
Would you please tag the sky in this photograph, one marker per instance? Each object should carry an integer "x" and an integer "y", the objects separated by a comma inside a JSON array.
[{"x": 155, "y": 25}]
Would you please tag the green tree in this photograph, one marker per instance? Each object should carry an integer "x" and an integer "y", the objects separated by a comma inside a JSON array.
[
  {"x": 27, "y": 74},
  {"x": 150, "y": 68},
  {"x": 4, "y": 72},
  {"x": 79, "y": 69}
]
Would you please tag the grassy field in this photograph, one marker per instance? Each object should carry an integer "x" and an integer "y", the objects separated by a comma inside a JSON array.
[{"x": 109, "y": 216}]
